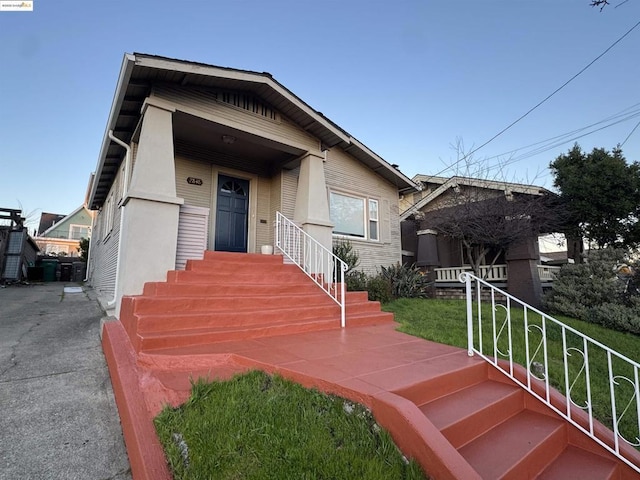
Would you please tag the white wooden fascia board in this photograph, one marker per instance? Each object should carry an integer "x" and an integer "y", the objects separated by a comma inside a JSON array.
[{"x": 415, "y": 208}]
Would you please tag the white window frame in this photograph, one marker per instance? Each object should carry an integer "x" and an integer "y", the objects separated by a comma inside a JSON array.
[
  {"x": 108, "y": 213},
  {"x": 366, "y": 216},
  {"x": 78, "y": 226}
]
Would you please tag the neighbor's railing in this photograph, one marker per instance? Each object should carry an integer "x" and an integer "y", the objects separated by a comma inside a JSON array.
[
  {"x": 319, "y": 263},
  {"x": 507, "y": 333},
  {"x": 548, "y": 273},
  {"x": 495, "y": 273}
]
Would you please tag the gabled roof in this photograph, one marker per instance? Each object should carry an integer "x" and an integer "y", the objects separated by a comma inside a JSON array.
[
  {"x": 47, "y": 220},
  {"x": 139, "y": 72},
  {"x": 447, "y": 183},
  {"x": 57, "y": 223}
]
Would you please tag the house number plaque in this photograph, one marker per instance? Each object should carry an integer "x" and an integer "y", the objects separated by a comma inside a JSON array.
[{"x": 194, "y": 181}]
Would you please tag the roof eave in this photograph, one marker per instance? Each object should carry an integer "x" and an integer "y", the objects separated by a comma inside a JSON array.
[{"x": 126, "y": 69}]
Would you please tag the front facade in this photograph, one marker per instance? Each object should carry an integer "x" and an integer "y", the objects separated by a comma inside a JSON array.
[{"x": 200, "y": 157}]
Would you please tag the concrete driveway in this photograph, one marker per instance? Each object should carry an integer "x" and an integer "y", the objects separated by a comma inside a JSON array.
[{"x": 58, "y": 416}]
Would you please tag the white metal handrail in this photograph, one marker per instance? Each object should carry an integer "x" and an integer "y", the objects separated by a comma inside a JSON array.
[
  {"x": 319, "y": 263},
  {"x": 501, "y": 340}
]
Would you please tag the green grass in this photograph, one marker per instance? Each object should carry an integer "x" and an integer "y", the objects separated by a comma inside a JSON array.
[
  {"x": 257, "y": 426},
  {"x": 444, "y": 321}
]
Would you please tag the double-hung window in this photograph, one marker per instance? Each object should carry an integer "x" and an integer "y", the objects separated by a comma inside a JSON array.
[{"x": 354, "y": 216}]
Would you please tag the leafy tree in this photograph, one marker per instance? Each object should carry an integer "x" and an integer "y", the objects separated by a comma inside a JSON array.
[
  {"x": 84, "y": 248},
  {"x": 600, "y": 193}
]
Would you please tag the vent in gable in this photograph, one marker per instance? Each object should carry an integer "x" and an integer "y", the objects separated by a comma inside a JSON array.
[{"x": 249, "y": 103}]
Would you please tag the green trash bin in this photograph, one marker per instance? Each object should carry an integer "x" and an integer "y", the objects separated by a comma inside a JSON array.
[{"x": 49, "y": 268}]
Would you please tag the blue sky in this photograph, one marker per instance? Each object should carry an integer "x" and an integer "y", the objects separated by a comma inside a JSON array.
[{"x": 406, "y": 77}]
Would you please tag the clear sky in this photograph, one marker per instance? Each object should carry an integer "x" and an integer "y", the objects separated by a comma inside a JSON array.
[{"x": 408, "y": 78}]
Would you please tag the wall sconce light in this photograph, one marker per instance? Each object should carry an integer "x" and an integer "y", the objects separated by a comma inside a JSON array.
[{"x": 228, "y": 139}]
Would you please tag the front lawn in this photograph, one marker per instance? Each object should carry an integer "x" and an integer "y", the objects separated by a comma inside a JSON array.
[{"x": 258, "y": 426}]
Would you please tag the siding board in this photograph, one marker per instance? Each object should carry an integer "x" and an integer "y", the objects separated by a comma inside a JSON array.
[{"x": 346, "y": 174}]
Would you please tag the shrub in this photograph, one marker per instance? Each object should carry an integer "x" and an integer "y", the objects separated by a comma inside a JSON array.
[
  {"x": 345, "y": 252},
  {"x": 617, "y": 316},
  {"x": 379, "y": 289},
  {"x": 406, "y": 281},
  {"x": 355, "y": 281},
  {"x": 596, "y": 292}
]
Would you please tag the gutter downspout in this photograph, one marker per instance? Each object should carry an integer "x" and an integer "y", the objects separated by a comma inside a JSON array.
[
  {"x": 93, "y": 225},
  {"x": 127, "y": 159}
]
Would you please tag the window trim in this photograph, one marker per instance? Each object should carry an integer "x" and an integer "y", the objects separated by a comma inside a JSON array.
[
  {"x": 79, "y": 226},
  {"x": 366, "y": 216}
]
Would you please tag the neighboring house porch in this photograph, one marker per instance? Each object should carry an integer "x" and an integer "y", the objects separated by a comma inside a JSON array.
[{"x": 433, "y": 242}]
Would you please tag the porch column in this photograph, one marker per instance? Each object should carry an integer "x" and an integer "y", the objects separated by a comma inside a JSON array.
[
  {"x": 523, "y": 280},
  {"x": 312, "y": 207},
  {"x": 150, "y": 210}
]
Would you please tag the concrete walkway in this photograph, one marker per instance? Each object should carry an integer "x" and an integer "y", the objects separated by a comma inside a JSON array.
[{"x": 59, "y": 419}]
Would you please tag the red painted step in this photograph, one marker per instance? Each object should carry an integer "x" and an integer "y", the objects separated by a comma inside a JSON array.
[
  {"x": 577, "y": 463},
  {"x": 466, "y": 414},
  {"x": 229, "y": 296},
  {"x": 504, "y": 433}
]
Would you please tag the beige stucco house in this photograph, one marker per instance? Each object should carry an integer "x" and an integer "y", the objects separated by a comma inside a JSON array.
[{"x": 199, "y": 157}]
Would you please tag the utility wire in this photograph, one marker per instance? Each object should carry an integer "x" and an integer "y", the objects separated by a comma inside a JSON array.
[
  {"x": 630, "y": 133},
  {"x": 558, "y": 140},
  {"x": 541, "y": 102}
]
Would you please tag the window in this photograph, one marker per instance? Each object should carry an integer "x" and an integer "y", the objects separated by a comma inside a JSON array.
[
  {"x": 373, "y": 219},
  {"x": 76, "y": 232},
  {"x": 354, "y": 216},
  {"x": 108, "y": 215}
]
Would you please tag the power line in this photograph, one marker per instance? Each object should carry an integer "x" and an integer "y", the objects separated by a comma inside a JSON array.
[
  {"x": 541, "y": 102},
  {"x": 630, "y": 133},
  {"x": 558, "y": 140}
]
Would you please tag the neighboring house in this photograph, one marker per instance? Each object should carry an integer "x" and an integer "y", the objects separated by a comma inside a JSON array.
[
  {"x": 201, "y": 157},
  {"x": 61, "y": 234},
  {"x": 518, "y": 269}
]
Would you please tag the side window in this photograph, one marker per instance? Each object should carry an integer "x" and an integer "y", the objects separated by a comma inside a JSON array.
[{"x": 373, "y": 219}]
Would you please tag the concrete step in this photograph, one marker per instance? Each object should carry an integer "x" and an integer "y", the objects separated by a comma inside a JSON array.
[
  {"x": 466, "y": 414},
  {"x": 520, "y": 447},
  {"x": 574, "y": 462}
]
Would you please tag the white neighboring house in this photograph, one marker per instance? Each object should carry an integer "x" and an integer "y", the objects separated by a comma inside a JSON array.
[{"x": 198, "y": 157}]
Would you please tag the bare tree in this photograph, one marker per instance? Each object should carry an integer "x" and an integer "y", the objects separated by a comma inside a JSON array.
[
  {"x": 487, "y": 222},
  {"x": 488, "y": 215}
]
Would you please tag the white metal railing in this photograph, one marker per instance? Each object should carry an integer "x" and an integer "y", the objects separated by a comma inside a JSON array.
[
  {"x": 507, "y": 333},
  {"x": 495, "y": 273},
  {"x": 547, "y": 273},
  {"x": 319, "y": 263}
]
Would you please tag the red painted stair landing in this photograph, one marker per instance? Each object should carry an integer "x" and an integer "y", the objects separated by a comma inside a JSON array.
[
  {"x": 456, "y": 415},
  {"x": 231, "y": 296}
]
